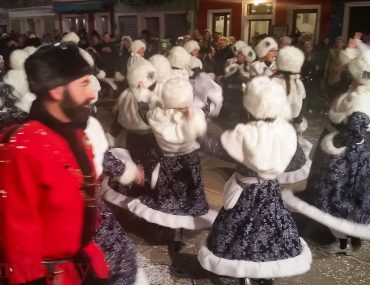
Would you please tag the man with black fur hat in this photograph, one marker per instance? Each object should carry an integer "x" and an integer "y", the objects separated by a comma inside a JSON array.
[{"x": 47, "y": 178}]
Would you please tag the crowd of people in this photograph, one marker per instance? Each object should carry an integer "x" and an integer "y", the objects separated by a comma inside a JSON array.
[{"x": 60, "y": 172}]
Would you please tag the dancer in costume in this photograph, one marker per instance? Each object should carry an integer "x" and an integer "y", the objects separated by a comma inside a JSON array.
[
  {"x": 236, "y": 76},
  {"x": 338, "y": 187},
  {"x": 177, "y": 198},
  {"x": 289, "y": 62},
  {"x": 180, "y": 61},
  {"x": 254, "y": 235},
  {"x": 266, "y": 51}
]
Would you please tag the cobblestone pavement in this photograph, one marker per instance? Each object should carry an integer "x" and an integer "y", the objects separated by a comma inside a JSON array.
[{"x": 163, "y": 266}]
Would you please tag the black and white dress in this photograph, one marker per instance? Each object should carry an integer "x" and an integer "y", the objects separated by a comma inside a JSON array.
[
  {"x": 110, "y": 236},
  {"x": 296, "y": 174},
  {"x": 176, "y": 198},
  {"x": 254, "y": 234},
  {"x": 338, "y": 187}
]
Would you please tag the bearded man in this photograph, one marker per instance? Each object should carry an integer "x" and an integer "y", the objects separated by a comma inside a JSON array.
[{"x": 48, "y": 179}]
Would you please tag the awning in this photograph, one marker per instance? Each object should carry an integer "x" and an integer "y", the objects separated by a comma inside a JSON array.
[{"x": 78, "y": 6}]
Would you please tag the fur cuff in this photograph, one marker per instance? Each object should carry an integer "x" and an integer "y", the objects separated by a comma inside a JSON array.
[
  {"x": 328, "y": 146},
  {"x": 129, "y": 174},
  {"x": 101, "y": 74},
  {"x": 118, "y": 76},
  {"x": 301, "y": 127}
]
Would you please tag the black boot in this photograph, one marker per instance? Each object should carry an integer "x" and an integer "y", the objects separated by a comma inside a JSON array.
[
  {"x": 178, "y": 240},
  {"x": 356, "y": 243},
  {"x": 249, "y": 281}
]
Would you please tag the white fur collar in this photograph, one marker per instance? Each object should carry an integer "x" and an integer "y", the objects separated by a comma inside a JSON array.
[{"x": 266, "y": 148}]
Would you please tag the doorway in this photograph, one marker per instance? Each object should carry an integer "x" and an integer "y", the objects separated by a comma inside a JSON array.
[
  {"x": 257, "y": 28},
  {"x": 305, "y": 22},
  {"x": 221, "y": 23}
]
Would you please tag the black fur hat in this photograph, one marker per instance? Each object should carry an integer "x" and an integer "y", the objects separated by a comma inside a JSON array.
[{"x": 54, "y": 65}]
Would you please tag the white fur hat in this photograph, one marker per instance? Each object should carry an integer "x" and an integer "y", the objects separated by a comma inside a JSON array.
[
  {"x": 290, "y": 59},
  {"x": 264, "y": 46},
  {"x": 126, "y": 38},
  {"x": 137, "y": 45},
  {"x": 179, "y": 57},
  {"x": 195, "y": 63},
  {"x": 18, "y": 58},
  {"x": 162, "y": 65},
  {"x": 177, "y": 93},
  {"x": 265, "y": 98},
  {"x": 248, "y": 52},
  {"x": 360, "y": 68},
  {"x": 143, "y": 72},
  {"x": 191, "y": 45},
  {"x": 71, "y": 37},
  {"x": 238, "y": 45}
]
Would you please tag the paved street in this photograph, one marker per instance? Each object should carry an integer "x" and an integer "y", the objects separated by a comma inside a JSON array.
[{"x": 165, "y": 267}]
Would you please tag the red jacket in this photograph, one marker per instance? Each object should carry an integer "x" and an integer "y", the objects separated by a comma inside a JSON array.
[{"x": 41, "y": 205}]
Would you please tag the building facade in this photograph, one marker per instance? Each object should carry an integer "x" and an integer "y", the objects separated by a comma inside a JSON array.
[
  {"x": 162, "y": 18},
  {"x": 246, "y": 19}
]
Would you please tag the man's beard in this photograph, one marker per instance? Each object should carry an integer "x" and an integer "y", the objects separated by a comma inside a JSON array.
[{"x": 77, "y": 113}]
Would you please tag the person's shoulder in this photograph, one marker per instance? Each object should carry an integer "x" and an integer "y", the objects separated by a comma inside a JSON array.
[{"x": 26, "y": 136}]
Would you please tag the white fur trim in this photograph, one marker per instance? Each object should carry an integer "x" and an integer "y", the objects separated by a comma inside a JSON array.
[
  {"x": 359, "y": 65},
  {"x": 162, "y": 65},
  {"x": 259, "y": 68},
  {"x": 249, "y": 53},
  {"x": 290, "y": 59},
  {"x": 155, "y": 176},
  {"x": 350, "y": 102},
  {"x": 141, "y": 278},
  {"x": 299, "y": 175},
  {"x": 348, "y": 54},
  {"x": 361, "y": 231},
  {"x": 231, "y": 69},
  {"x": 18, "y": 58},
  {"x": 153, "y": 216},
  {"x": 266, "y": 99},
  {"x": 268, "y": 269},
  {"x": 177, "y": 93},
  {"x": 328, "y": 147},
  {"x": 232, "y": 192},
  {"x": 18, "y": 80},
  {"x": 266, "y": 148},
  {"x": 30, "y": 50},
  {"x": 264, "y": 46},
  {"x": 142, "y": 73},
  {"x": 95, "y": 86},
  {"x": 71, "y": 37},
  {"x": 136, "y": 46},
  {"x": 96, "y": 135},
  {"x": 195, "y": 63},
  {"x": 191, "y": 45},
  {"x": 179, "y": 57},
  {"x": 25, "y": 102},
  {"x": 134, "y": 60},
  {"x": 238, "y": 45},
  {"x": 175, "y": 132},
  {"x": 129, "y": 174},
  {"x": 301, "y": 127},
  {"x": 87, "y": 57},
  {"x": 118, "y": 76},
  {"x": 101, "y": 74}
]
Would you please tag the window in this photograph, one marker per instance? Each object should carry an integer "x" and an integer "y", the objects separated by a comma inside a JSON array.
[
  {"x": 176, "y": 25},
  {"x": 258, "y": 27},
  {"x": 102, "y": 23},
  {"x": 260, "y": 9},
  {"x": 304, "y": 22},
  {"x": 76, "y": 23},
  {"x": 221, "y": 23},
  {"x": 128, "y": 26},
  {"x": 152, "y": 25}
]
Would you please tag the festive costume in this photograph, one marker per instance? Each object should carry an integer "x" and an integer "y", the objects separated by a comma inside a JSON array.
[
  {"x": 236, "y": 76},
  {"x": 338, "y": 186},
  {"x": 180, "y": 61},
  {"x": 140, "y": 140},
  {"x": 177, "y": 198},
  {"x": 289, "y": 62},
  {"x": 254, "y": 234},
  {"x": 261, "y": 66}
]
